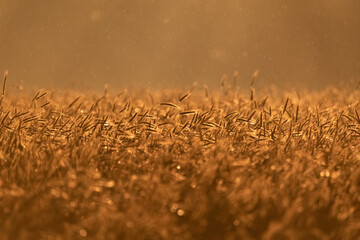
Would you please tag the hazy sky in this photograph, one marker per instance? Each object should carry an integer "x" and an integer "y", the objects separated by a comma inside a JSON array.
[{"x": 165, "y": 43}]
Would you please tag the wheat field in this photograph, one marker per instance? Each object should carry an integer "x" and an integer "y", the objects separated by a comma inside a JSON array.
[{"x": 180, "y": 165}]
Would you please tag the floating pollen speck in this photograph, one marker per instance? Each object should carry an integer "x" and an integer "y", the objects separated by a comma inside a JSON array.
[
  {"x": 180, "y": 212},
  {"x": 83, "y": 232}
]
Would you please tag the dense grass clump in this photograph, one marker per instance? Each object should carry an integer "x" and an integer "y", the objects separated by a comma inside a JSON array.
[{"x": 168, "y": 165}]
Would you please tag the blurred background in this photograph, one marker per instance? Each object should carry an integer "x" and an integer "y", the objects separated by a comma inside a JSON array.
[{"x": 84, "y": 44}]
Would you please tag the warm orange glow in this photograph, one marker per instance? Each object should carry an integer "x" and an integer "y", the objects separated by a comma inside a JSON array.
[
  {"x": 174, "y": 43},
  {"x": 179, "y": 119}
]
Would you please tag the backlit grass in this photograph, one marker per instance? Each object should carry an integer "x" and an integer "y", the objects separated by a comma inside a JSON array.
[{"x": 180, "y": 165}]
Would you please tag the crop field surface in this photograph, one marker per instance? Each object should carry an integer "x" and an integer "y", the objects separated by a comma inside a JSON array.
[{"x": 180, "y": 165}]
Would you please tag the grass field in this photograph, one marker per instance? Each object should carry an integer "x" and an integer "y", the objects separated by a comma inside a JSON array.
[{"x": 175, "y": 165}]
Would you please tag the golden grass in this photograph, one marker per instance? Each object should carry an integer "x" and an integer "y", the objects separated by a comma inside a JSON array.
[{"x": 180, "y": 165}]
